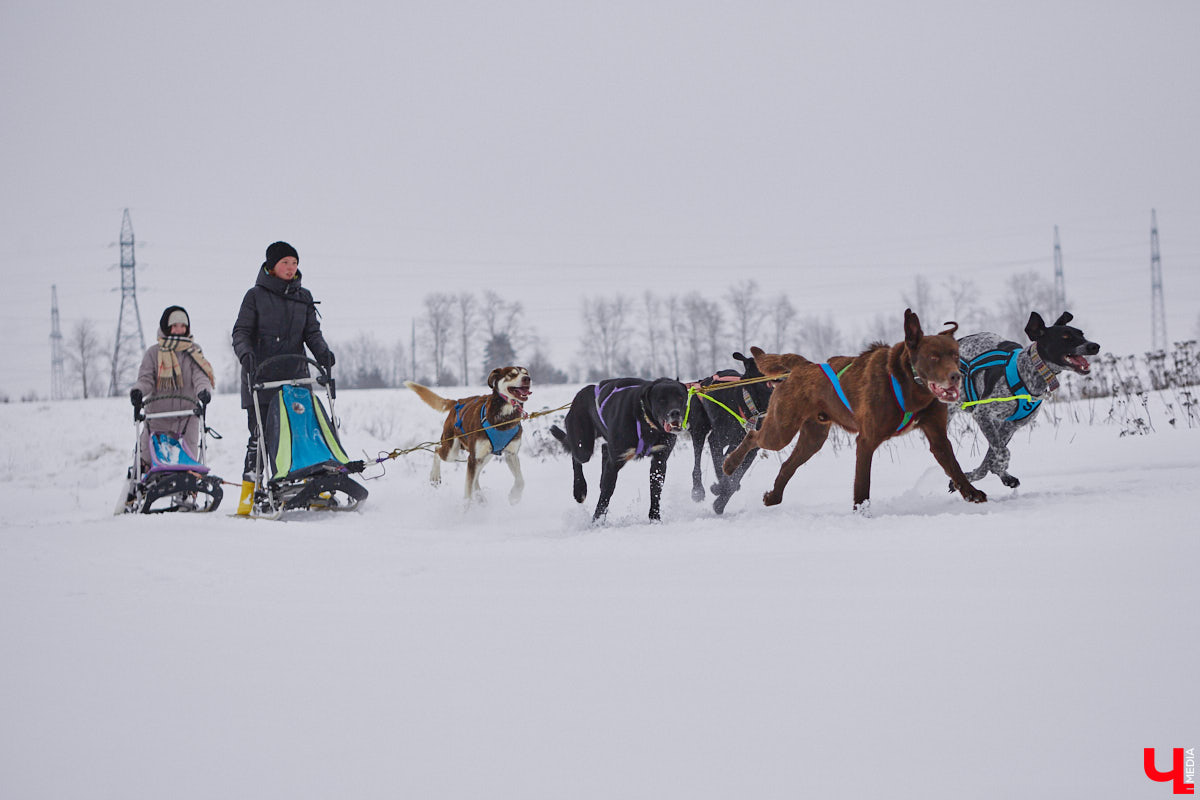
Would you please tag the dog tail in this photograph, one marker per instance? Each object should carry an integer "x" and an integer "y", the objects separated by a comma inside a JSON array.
[
  {"x": 559, "y": 433},
  {"x": 779, "y": 363},
  {"x": 433, "y": 400}
]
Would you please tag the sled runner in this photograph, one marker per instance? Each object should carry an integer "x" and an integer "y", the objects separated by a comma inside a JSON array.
[
  {"x": 175, "y": 479},
  {"x": 301, "y": 463}
]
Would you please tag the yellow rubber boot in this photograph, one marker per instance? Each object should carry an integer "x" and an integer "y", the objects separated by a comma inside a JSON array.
[{"x": 246, "y": 503}]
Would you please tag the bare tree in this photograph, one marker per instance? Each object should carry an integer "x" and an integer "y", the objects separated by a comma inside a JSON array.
[
  {"x": 652, "y": 319},
  {"x": 501, "y": 316},
  {"x": 675, "y": 329},
  {"x": 702, "y": 323},
  {"x": 885, "y": 328},
  {"x": 465, "y": 315},
  {"x": 605, "y": 331},
  {"x": 1027, "y": 291},
  {"x": 781, "y": 316},
  {"x": 84, "y": 351},
  {"x": 820, "y": 338},
  {"x": 364, "y": 362},
  {"x": 962, "y": 292},
  {"x": 437, "y": 324},
  {"x": 745, "y": 313},
  {"x": 919, "y": 296}
]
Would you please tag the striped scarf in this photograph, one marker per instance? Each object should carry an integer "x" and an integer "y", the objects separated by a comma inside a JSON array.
[{"x": 170, "y": 374}]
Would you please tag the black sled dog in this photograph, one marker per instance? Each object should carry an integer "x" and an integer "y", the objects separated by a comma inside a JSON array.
[
  {"x": 1004, "y": 385},
  {"x": 722, "y": 416},
  {"x": 636, "y": 418}
]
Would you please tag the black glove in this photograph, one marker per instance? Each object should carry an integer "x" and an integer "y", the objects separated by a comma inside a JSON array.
[
  {"x": 248, "y": 363},
  {"x": 326, "y": 359},
  {"x": 204, "y": 396},
  {"x": 135, "y": 397}
]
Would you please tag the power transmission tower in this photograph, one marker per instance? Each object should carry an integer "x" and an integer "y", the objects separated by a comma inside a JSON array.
[
  {"x": 1158, "y": 316},
  {"x": 57, "y": 370},
  {"x": 1060, "y": 286},
  {"x": 129, "y": 324}
]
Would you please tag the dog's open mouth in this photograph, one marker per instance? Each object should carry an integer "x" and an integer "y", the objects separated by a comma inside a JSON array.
[
  {"x": 947, "y": 394},
  {"x": 1079, "y": 364},
  {"x": 669, "y": 427},
  {"x": 520, "y": 394}
]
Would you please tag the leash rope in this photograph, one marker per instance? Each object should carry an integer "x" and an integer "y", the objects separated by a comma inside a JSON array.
[
  {"x": 1030, "y": 398},
  {"x": 432, "y": 446},
  {"x": 702, "y": 392}
]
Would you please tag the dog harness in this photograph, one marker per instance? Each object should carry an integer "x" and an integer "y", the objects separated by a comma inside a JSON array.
[
  {"x": 499, "y": 439},
  {"x": 643, "y": 449},
  {"x": 896, "y": 390},
  {"x": 748, "y": 408},
  {"x": 1003, "y": 361}
]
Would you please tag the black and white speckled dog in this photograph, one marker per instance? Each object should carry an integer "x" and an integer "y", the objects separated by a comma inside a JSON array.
[{"x": 1003, "y": 384}]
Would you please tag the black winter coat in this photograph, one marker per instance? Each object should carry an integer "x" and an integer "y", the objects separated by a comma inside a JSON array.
[{"x": 277, "y": 317}]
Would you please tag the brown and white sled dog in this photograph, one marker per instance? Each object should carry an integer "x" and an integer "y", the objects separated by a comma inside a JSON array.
[{"x": 482, "y": 426}]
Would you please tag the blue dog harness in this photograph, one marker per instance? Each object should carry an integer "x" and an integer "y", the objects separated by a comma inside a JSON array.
[
  {"x": 841, "y": 393},
  {"x": 1003, "y": 359},
  {"x": 499, "y": 439}
]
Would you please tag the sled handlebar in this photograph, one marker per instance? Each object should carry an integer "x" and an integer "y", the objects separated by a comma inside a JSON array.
[
  {"x": 140, "y": 413},
  {"x": 324, "y": 374}
]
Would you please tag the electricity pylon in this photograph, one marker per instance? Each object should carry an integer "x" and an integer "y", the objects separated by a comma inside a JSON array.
[{"x": 130, "y": 341}]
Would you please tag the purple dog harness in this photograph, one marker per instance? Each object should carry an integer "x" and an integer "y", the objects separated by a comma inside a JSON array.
[{"x": 642, "y": 448}]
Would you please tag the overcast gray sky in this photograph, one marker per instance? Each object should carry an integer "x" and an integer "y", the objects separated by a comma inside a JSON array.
[{"x": 549, "y": 150}]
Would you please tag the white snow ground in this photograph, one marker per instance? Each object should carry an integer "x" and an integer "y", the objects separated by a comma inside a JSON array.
[{"x": 1026, "y": 648}]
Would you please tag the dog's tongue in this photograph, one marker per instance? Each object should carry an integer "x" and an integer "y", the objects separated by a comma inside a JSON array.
[
  {"x": 1079, "y": 363},
  {"x": 947, "y": 394}
]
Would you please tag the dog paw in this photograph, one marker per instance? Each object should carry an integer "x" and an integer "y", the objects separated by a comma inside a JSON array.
[
  {"x": 698, "y": 494},
  {"x": 973, "y": 495},
  {"x": 771, "y": 499},
  {"x": 953, "y": 487},
  {"x": 1010, "y": 481}
]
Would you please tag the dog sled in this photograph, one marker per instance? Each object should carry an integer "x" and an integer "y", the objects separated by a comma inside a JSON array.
[
  {"x": 301, "y": 464},
  {"x": 170, "y": 477}
]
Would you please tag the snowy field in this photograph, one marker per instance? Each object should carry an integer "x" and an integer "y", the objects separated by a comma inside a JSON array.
[{"x": 1030, "y": 647}]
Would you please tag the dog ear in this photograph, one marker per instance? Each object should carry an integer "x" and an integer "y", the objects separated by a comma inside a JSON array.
[
  {"x": 740, "y": 357},
  {"x": 912, "y": 329},
  {"x": 1035, "y": 327},
  {"x": 949, "y": 331},
  {"x": 757, "y": 352},
  {"x": 494, "y": 376},
  {"x": 1066, "y": 317}
]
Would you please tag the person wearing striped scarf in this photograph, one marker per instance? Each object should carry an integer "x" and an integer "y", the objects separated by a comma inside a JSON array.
[{"x": 174, "y": 365}]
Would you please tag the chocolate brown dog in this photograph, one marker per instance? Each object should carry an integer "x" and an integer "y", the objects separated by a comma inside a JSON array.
[{"x": 881, "y": 393}]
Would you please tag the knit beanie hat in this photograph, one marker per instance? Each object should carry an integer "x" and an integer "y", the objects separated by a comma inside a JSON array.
[
  {"x": 174, "y": 315},
  {"x": 278, "y": 251}
]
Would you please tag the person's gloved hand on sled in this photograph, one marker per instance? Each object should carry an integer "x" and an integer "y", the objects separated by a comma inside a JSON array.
[
  {"x": 326, "y": 359},
  {"x": 248, "y": 363},
  {"x": 135, "y": 397},
  {"x": 204, "y": 396}
]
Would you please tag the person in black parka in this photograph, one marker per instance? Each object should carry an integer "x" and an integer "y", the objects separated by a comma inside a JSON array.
[{"x": 277, "y": 317}]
